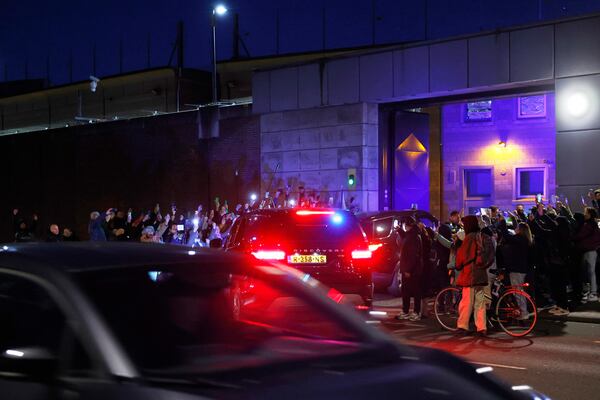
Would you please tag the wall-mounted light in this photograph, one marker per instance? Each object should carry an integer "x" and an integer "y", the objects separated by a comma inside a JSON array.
[
  {"x": 501, "y": 144},
  {"x": 578, "y": 104}
]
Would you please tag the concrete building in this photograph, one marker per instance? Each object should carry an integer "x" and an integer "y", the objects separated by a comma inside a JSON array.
[{"x": 492, "y": 118}]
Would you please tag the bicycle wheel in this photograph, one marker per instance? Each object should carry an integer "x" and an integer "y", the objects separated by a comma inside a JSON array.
[
  {"x": 516, "y": 313},
  {"x": 446, "y": 307}
]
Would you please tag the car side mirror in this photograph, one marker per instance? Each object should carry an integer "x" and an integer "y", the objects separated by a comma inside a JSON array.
[
  {"x": 30, "y": 362},
  {"x": 215, "y": 243}
]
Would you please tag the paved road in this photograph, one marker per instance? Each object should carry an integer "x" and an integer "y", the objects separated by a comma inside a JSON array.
[{"x": 560, "y": 359}]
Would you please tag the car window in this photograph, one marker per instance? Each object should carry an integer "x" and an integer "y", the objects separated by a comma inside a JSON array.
[
  {"x": 31, "y": 319},
  {"x": 339, "y": 228},
  {"x": 177, "y": 318},
  {"x": 382, "y": 227}
]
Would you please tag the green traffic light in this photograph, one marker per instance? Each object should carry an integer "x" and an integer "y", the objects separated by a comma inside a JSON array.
[{"x": 351, "y": 180}]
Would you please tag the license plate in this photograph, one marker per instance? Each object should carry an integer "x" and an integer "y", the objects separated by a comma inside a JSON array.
[{"x": 307, "y": 259}]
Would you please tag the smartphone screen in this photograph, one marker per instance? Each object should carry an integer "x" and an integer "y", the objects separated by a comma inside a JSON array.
[
  {"x": 539, "y": 198},
  {"x": 180, "y": 227}
]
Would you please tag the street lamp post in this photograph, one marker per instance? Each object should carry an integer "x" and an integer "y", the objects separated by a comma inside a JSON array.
[{"x": 218, "y": 10}]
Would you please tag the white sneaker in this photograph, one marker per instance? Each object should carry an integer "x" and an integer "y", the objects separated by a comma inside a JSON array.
[
  {"x": 414, "y": 317},
  {"x": 403, "y": 316},
  {"x": 584, "y": 298},
  {"x": 593, "y": 297}
]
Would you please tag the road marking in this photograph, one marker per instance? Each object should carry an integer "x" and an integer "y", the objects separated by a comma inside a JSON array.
[{"x": 497, "y": 365}]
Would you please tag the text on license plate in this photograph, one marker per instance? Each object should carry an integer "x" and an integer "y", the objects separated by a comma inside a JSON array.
[{"x": 307, "y": 259}]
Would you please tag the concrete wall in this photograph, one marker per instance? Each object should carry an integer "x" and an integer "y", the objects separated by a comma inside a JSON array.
[
  {"x": 315, "y": 148},
  {"x": 63, "y": 174},
  {"x": 504, "y": 59},
  {"x": 563, "y": 53},
  {"x": 530, "y": 142},
  {"x": 125, "y": 96}
]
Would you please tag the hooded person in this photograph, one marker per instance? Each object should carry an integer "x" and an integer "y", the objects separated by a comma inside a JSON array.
[{"x": 472, "y": 259}]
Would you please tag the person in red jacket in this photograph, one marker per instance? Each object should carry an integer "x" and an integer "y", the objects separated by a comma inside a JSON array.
[
  {"x": 587, "y": 241},
  {"x": 473, "y": 277}
]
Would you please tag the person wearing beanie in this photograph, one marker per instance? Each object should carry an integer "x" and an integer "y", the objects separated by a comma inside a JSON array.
[{"x": 473, "y": 277}]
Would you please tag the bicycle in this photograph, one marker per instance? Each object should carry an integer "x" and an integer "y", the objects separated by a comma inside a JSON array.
[{"x": 512, "y": 309}]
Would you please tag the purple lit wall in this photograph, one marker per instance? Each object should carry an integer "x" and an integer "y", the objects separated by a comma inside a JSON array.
[{"x": 479, "y": 171}]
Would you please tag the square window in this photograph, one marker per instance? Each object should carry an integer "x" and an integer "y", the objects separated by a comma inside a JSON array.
[
  {"x": 478, "y": 182},
  {"x": 479, "y": 111},
  {"x": 532, "y": 106},
  {"x": 530, "y": 182}
]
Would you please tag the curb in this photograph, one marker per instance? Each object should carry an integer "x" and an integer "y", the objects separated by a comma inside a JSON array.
[{"x": 571, "y": 318}]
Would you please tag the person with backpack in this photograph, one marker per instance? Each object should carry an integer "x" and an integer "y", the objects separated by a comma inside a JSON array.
[{"x": 473, "y": 258}]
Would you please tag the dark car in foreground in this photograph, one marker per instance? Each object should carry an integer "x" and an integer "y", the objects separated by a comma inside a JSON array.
[
  {"x": 144, "y": 321},
  {"x": 327, "y": 244},
  {"x": 380, "y": 228}
]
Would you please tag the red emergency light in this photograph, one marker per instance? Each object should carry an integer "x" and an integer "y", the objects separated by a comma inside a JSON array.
[{"x": 314, "y": 212}]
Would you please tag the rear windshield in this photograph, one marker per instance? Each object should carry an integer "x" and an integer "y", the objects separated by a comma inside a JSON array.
[{"x": 337, "y": 228}]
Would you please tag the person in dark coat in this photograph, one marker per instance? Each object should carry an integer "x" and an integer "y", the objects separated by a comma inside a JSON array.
[
  {"x": 473, "y": 278},
  {"x": 24, "y": 230},
  {"x": 95, "y": 227},
  {"x": 54, "y": 234},
  {"x": 411, "y": 267},
  {"x": 69, "y": 235},
  {"x": 587, "y": 241}
]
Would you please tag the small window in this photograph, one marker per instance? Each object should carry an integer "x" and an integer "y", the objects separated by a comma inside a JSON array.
[
  {"x": 478, "y": 182},
  {"x": 478, "y": 111},
  {"x": 530, "y": 182},
  {"x": 532, "y": 106}
]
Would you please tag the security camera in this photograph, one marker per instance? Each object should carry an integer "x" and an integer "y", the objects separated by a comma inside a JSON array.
[{"x": 94, "y": 83}]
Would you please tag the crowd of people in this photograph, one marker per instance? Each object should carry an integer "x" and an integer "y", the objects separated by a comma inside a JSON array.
[
  {"x": 552, "y": 249},
  {"x": 195, "y": 228},
  {"x": 547, "y": 246}
]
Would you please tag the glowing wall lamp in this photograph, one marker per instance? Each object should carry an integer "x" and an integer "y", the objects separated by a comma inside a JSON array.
[{"x": 577, "y": 104}]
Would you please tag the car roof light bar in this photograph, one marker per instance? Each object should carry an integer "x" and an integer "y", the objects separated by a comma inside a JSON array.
[{"x": 314, "y": 212}]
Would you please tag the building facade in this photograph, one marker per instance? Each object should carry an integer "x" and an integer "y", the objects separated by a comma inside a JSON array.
[{"x": 497, "y": 118}]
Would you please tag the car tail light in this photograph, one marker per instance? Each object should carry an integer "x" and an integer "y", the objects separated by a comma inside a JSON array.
[
  {"x": 314, "y": 212},
  {"x": 373, "y": 247},
  {"x": 335, "y": 295},
  {"x": 277, "y": 255},
  {"x": 361, "y": 254}
]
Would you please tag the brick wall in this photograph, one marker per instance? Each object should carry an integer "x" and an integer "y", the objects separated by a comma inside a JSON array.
[
  {"x": 236, "y": 149},
  {"x": 530, "y": 142},
  {"x": 315, "y": 148}
]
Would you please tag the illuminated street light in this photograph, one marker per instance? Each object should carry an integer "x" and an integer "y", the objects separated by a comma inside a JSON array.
[
  {"x": 578, "y": 104},
  {"x": 219, "y": 10}
]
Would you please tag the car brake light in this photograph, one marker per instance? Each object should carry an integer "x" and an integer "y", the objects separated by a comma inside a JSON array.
[
  {"x": 269, "y": 254},
  {"x": 362, "y": 254},
  {"x": 373, "y": 247},
  {"x": 314, "y": 212}
]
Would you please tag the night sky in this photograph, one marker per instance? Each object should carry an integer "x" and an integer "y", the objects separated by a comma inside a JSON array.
[{"x": 36, "y": 35}]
